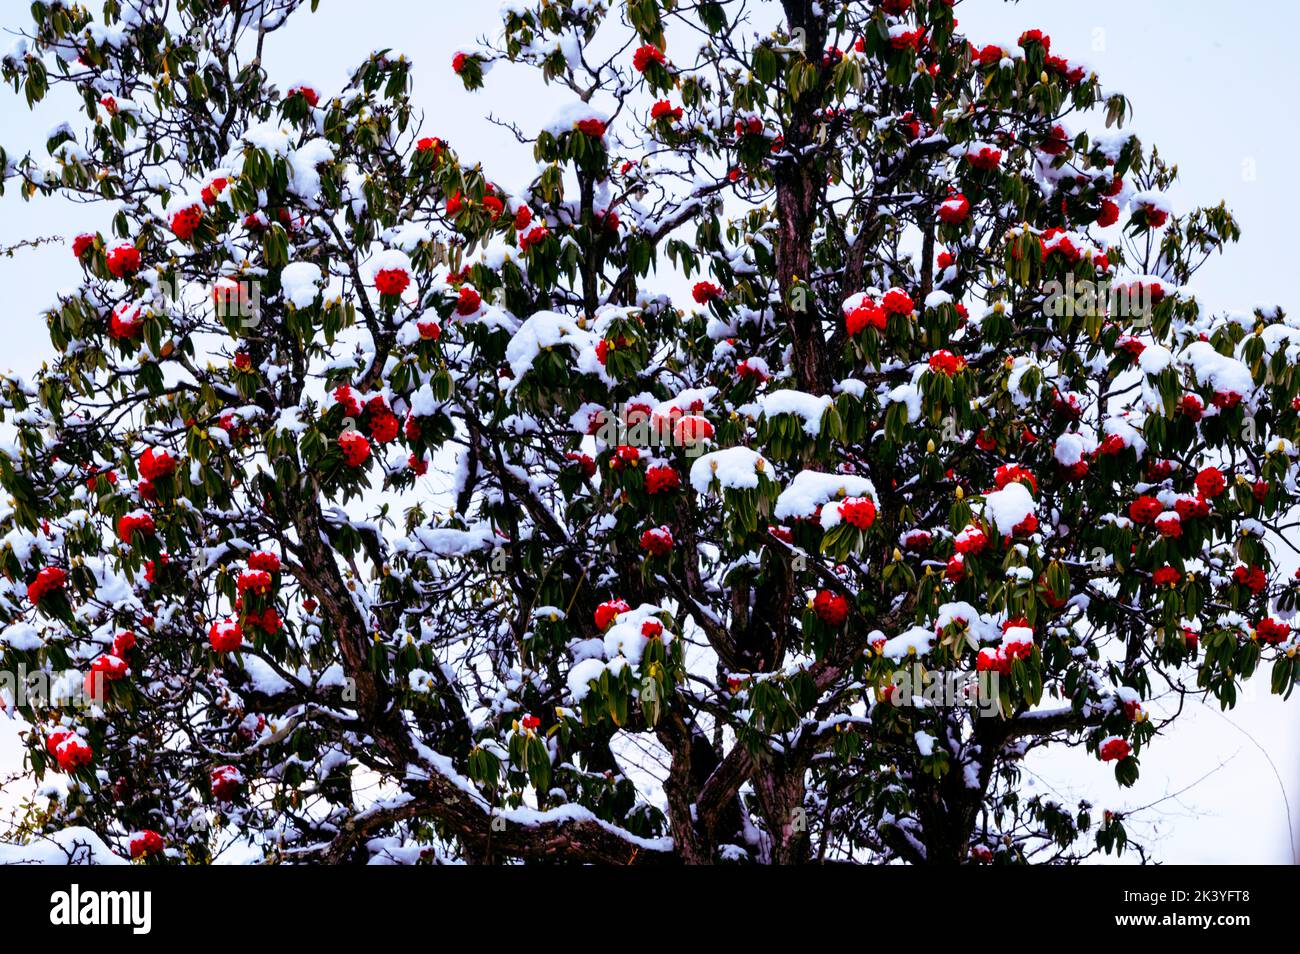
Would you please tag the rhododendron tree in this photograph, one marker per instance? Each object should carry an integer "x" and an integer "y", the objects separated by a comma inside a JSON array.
[{"x": 430, "y": 505}]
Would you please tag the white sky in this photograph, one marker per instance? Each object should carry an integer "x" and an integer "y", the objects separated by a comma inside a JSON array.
[{"x": 1211, "y": 84}]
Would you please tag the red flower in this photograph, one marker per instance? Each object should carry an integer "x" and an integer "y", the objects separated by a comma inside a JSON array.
[
  {"x": 213, "y": 189},
  {"x": 355, "y": 448},
  {"x": 418, "y": 464},
  {"x": 661, "y": 479},
  {"x": 1272, "y": 631},
  {"x": 663, "y": 109},
  {"x": 1036, "y": 36},
  {"x": 458, "y": 63},
  {"x": 917, "y": 540},
  {"x": 705, "y": 292},
  {"x": 145, "y": 843},
  {"x": 391, "y": 281},
  {"x": 468, "y": 302},
  {"x": 69, "y": 750},
  {"x": 866, "y": 315},
  {"x": 954, "y": 209},
  {"x": 133, "y": 523},
  {"x": 1226, "y": 399},
  {"x": 971, "y": 541},
  {"x": 584, "y": 462},
  {"x": 1166, "y": 576},
  {"x": 307, "y": 93},
  {"x": 429, "y": 330},
  {"x": 383, "y": 426},
  {"x": 1114, "y": 749},
  {"x": 264, "y": 561},
  {"x": 945, "y": 362},
  {"x": 454, "y": 204},
  {"x": 185, "y": 221},
  {"x": 1251, "y": 577},
  {"x": 1109, "y": 213},
  {"x": 429, "y": 144},
  {"x": 1014, "y": 473},
  {"x": 692, "y": 429},
  {"x": 123, "y": 643},
  {"x": 123, "y": 260},
  {"x": 908, "y": 39},
  {"x": 530, "y": 722},
  {"x": 859, "y": 512},
  {"x": 1189, "y": 508},
  {"x": 154, "y": 465},
  {"x": 1210, "y": 483},
  {"x": 652, "y": 629},
  {"x": 1191, "y": 407},
  {"x": 608, "y": 611},
  {"x": 47, "y": 581},
  {"x": 225, "y": 636},
  {"x": 645, "y": 55},
  {"x": 1169, "y": 524},
  {"x": 625, "y": 455},
  {"x": 1152, "y": 215},
  {"x": 897, "y": 302},
  {"x": 986, "y": 158},
  {"x": 494, "y": 205},
  {"x": 1025, "y": 527},
  {"x": 126, "y": 322},
  {"x": 831, "y": 608},
  {"x": 993, "y": 660},
  {"x": 224, "y": 782},
  {"x": 1056, "y": 141},
  {"x": 83, "y": 243},
  {"x": 254, "y": 581},
  {"x": 523, "y": 216},
  {"x": 595, "y": 128},
  {"x": 657, "y": 541},
  {"x": 1145, "y": 509},
  {"x": 955, "y": 571}
]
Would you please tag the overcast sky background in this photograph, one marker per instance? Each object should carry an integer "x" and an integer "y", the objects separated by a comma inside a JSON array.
[{"x": 1210, "y": 85}]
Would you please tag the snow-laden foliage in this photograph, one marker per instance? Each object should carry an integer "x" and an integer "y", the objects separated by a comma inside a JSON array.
[{"x": 393, "y": 514}]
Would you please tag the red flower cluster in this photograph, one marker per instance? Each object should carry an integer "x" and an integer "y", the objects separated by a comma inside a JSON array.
[
  {"x": 391, "y": 281},
  {"x": 1210, "y": 483},
  {"x": 661, "y": 479},
  {"x": 831, "y": 608},
  {"x": 186, "y": 221},
  {"x": 1166, "y": 576},
  {"x": 1272, "y": 631},
  {"x": 156, "y": 464},
  {"x": 858, "y": 512},
  {"x": 645, "y": 55},
  {"x": 665, "y": 110},
  {"x": 468, "y": 301},
  {"x": 68, "y": 749},
  {"x": 971, "y": 541},
  {"x": 1145, "y": 509},
  {"x": 608, "y": 611},
  {"x": 355, "y": 448},
  {"x": 657, "y": 541},
  {"x": 945, "y": 362},
  {"x": 47, "y": 581},
  {"x": 1114, "y": 749},
  {"x": 1251, "y": 577},
  {"x": 126, "y": 322},
  {"x": 866, "y": 315},
  {"x": 145, "y": 843},
  {"x": 224, "y": 782},
  {"x": 133, "y": 523},
  {"x": 897, "y": 302},
  {"x": 595, "y": 128},
  {"x": 225, "y": 636},
  {"x": 123, "y": 260},
  {"x": 705, "y": 292},
  {"x": 954, "y": 209}
]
